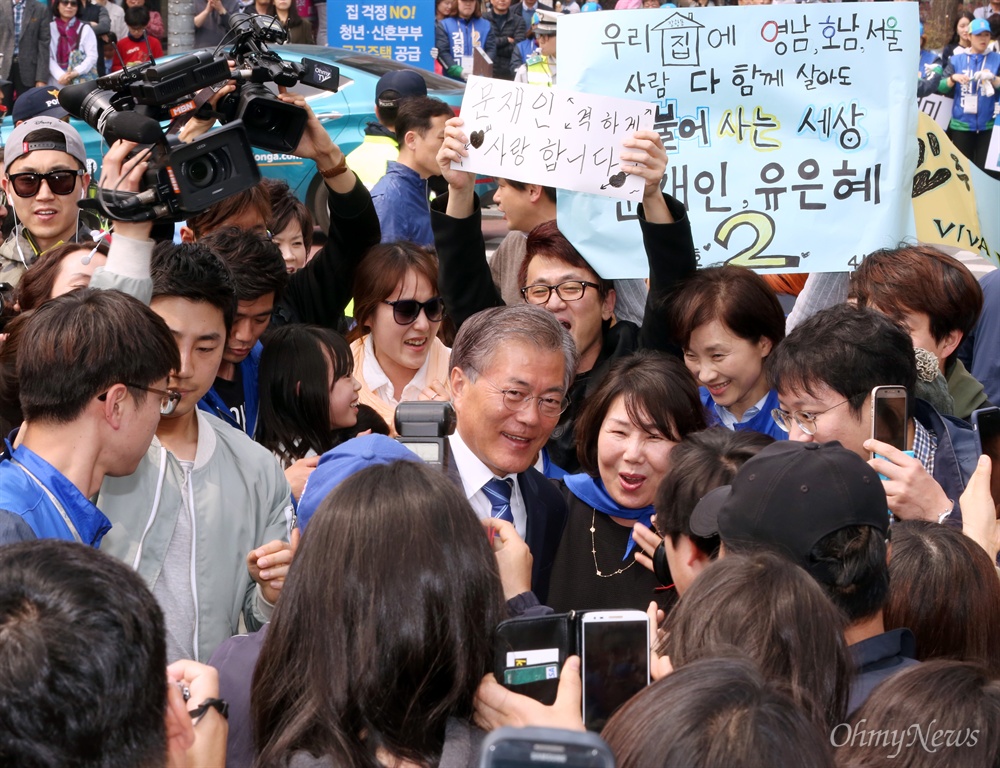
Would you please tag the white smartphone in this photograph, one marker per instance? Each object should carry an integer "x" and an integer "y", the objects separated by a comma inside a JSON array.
[{"x": 614, "y": 650}]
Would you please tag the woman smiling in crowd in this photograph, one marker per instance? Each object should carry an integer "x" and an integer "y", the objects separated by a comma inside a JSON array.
[
  {"x": 645, "y": 406},
  {"x": 397, "y": 355}
]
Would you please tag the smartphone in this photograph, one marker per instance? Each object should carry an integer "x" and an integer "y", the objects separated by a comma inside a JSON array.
[
  {"x": 614, "y": 651},
  {"x": 986, "y": 422},
  {"x": 889, "y": 416},
  {"x": 528, "y": 747}
]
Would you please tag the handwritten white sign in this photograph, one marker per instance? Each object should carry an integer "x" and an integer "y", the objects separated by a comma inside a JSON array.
[{"x": 552, "y": 136}]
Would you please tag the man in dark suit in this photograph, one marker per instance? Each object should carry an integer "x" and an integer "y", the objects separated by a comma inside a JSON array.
[
  {"x": 25, "y": 46},
  {"x": 510, "y": 370}
]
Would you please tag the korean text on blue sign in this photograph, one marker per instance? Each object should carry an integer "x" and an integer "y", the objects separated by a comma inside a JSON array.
[
  {"x": 790, "y": 130},
  {"x": 391, "y": 29}
]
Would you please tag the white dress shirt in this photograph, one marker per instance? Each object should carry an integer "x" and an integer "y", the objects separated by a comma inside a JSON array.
[
  {"x": 378, "y": 382},
  {"x": 475, "y": 475}
]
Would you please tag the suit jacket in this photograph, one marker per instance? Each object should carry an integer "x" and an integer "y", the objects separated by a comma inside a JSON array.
[
  {"x": 33, "y": 47},
  {"x": 546, "y": 512}
]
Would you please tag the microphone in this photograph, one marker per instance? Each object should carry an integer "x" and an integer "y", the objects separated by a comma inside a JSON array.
[{"x": 132, "y": 126}]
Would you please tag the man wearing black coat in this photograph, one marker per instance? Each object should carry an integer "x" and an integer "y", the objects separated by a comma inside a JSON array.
[{"x": 510, "y": 29}]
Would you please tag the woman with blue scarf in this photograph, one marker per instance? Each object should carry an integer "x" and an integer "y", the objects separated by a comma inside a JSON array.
[{"x": 646, "y": 404}]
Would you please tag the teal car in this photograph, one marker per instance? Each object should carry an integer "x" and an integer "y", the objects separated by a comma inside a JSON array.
[{"x": 344, "y": 114}]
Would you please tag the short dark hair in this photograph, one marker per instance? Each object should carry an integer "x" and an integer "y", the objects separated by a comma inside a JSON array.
[
  {"x": 716, "y": 712},
  {"x": 660, "y": 396},
  {"x": 218, "y": 215},
  {"x": 919, "y": 278},
  {"x": 943, "y": 588},
  {"x": 960, "y": 699},
  {"x": 547, "y": 240},
  {"x": 83, "y": 653},
  {"x": 849, "y": 349},
  {"x": 35, "y": 287},
  {"x": 850, "y": 565},
  {"x": 294, "y": 391},
  {"x": 736, "y": 296},
  {"x": 254, "y": 262},
  {"x": 416, "y": 114},
  {"x": 191, "y": 271},
  {"x": 702, "y": 462},
  {"x": 136, "y": 16},
  {"x": 286, "y": 208},
  {"x": 76, "y": 346},
  {"x": 765, "y": 606},
  {"x": 360, "y": 656},
  {"x": 549, "y": 192}
]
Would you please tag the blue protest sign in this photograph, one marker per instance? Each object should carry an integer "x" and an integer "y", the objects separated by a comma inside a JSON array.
[
  {"x": 401, "y": 30},
  {"x": 790, "y": 130}
]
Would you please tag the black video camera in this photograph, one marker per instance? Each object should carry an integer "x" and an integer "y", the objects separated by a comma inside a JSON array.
[{"x": 183, "y": 179}]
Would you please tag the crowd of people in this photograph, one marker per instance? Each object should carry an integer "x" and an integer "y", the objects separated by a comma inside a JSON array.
[{"x": 213, "y": 550}]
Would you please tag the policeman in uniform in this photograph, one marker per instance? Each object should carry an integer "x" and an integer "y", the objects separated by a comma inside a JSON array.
[{"x": 540, "y": 67}]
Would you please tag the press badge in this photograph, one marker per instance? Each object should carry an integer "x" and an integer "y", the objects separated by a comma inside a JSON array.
[{"x": 970, "y": 103}]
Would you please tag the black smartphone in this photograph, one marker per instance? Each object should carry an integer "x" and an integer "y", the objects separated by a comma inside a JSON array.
[
  {"x": 986, "y": 422},
  {"x": 614, "y": 650},
  {"x": 889, "y": 416},
  {"x": 530, "y": 747}
]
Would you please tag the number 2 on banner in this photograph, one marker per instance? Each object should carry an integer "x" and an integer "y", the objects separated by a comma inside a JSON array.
[{"x": 763, "y": 227}]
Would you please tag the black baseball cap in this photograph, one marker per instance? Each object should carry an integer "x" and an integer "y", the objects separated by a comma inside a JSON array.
[
  {"x": 791, "y": 495},
  {"x": 37, "y": 102},
  {"x": 404, "y": 82}
]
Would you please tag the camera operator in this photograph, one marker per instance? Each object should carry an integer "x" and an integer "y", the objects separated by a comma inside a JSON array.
[{"x": 45, "y": 177}]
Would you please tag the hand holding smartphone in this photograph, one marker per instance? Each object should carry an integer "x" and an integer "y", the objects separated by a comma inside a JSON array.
[
  {"x": 614, "y": 649},
  {"x": 986, "y": 423}
]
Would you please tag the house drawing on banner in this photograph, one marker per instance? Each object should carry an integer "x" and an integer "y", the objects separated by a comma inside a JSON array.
[{"x": 680, "y": 38}]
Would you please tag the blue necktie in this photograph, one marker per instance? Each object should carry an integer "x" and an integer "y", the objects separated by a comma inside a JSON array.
[{"x": 498, "y": 492}]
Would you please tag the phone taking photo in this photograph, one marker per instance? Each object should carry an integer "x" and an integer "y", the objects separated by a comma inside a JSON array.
[
  {"x": 890, "y": 420},
  {"x": 614, "y": 651},
  {"x": 986, "y": 423}
]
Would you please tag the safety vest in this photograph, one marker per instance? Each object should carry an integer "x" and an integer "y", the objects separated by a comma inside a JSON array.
[{"x": 539, "y": 72}]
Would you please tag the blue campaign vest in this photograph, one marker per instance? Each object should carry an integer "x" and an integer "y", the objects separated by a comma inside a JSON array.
[
  {"x": 465, "y": 35},
  {"x": 970, "y": 63}
]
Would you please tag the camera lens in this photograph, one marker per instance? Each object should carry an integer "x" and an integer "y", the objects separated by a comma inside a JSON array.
[
  {"x": 203, "y": 171},
  {"x": 261, "y": 117}
]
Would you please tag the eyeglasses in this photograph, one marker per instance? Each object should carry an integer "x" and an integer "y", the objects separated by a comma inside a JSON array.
[
  {"x": 516, "y": 400},
  {"x": 406, "y": 311},
  {"x": 168, "y": 397},
  {"x": 571, "y": 290},
  {"x": 60, "y": 182},
  {"x": 805, "y": 419}
]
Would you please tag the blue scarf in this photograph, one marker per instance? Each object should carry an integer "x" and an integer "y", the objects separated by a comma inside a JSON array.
[{"x": 591, "y": 491}]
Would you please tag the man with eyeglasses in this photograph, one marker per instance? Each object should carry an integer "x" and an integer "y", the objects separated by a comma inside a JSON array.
[
  {"x": 92, "y": 370},
  {"x": 824, "y": 372},
  {"x": 45, "y": 176},
  {"x": 510, "y": 370},
  {"x": 555, "y": 277}
]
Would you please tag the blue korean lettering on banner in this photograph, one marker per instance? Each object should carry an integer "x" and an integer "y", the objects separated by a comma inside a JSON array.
[
  {"x": 790, "y": 130},
  {"x": 401, "y": 30}
]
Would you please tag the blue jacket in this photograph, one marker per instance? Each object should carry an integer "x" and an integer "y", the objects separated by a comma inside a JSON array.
[
  {"x": 970, "y": 63},
  {"x": 213, "y": 403},
  {"x": 956, "y": 455},
  {"x": 23, "y": 497},
  {"x": 762, "y": 422},
  {"x": 464, "y": 35},
  {"x": 400, "y": 199}
]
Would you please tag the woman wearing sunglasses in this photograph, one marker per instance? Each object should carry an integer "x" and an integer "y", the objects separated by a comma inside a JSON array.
[
  {"x": 70, "y": 34},
  {"x": 397, "y": 355}
]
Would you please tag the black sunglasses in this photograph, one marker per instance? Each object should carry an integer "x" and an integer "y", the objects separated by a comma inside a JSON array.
[
  {"x": 406, "y": 311},
  {"x": 60, "y": 182}
]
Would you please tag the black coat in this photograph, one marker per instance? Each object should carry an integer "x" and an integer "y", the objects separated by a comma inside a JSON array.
[{"x": 510, "y": 25}]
